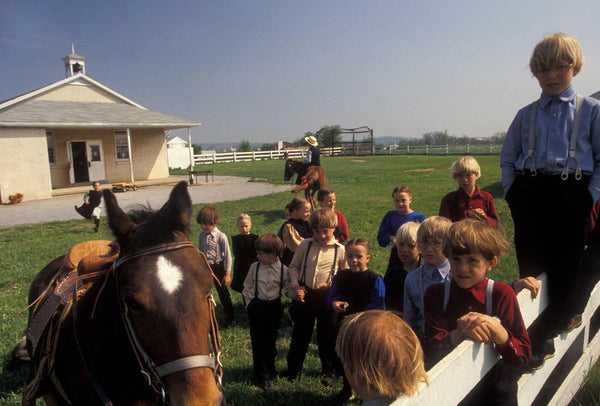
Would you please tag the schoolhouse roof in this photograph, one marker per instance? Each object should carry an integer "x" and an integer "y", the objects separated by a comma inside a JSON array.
[{"x": 34, "y": 109}]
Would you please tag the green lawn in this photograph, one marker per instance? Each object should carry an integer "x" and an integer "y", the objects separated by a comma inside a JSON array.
[{"x": 363, "y": 188}]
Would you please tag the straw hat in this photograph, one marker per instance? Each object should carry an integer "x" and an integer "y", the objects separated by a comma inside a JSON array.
[{"x": 311, "y": 140}]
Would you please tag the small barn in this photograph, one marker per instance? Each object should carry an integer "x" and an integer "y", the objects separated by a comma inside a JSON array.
[{"x": 76, "y": 131}]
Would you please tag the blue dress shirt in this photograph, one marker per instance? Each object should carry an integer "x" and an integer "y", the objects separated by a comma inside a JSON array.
[{"x": 553, "y": 125}]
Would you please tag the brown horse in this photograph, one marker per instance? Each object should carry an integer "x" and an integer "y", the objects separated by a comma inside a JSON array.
[
  {"x": 310, "y": 178},
  {"x": 141, "y": 334}
]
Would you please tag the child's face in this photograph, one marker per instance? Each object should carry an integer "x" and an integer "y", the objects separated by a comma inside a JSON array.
[
  {"x": 432, "y": 251},
  {"x": 207, "y": 228},
  {"x": 323, "y": 235},
  {"x": 407, "y": 252},
  {"x": 357, "y": 257},
  {"x": 328, "y": 202},
  {"x": 301, "y": 213},
  {"x": 244, "y": 226},
  {"x": 402, "y": 202},
  {"x": 266, "y": 259},
  {"x": 467, "y": 181},
  {"x": 469, "y": 269},
  {"x": 556, "y": 79},
  {"x": 96, "y": 186}
]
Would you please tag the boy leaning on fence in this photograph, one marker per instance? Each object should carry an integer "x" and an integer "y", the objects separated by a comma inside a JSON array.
[
  {"x": 471, "y": 306},
  {"x": 551, "y": 178}
]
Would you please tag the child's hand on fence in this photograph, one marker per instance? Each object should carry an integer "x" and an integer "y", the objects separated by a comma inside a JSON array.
[
  {"x": 482, "y": 328},
  {"x": 339, "y": 306},
  {"x": 527, "y": 283}
]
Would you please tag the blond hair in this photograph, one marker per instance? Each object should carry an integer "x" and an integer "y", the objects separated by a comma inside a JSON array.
[
  {"x": 407, "y": 233},
  {"x": 243, "y": 216},
  {"x": 469, "y": 236},
  {"x": 323, "y": 218},
  {"x": 466, "y": 164},
  {"x": 381, "y": 350},
  {"x": 555, "y": 49},
  {"x": 433, "y": 228}
]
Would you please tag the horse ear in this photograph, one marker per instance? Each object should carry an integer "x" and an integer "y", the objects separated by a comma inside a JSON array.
[
  {"x": 178, "y": 208},
  {"x": 119, "y": 222}
]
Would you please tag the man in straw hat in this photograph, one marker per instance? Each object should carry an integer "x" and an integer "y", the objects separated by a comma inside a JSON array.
[{"x": 313, "y": 155}]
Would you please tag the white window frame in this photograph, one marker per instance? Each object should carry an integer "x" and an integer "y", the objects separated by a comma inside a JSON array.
[{"x": 120, "y": 143}]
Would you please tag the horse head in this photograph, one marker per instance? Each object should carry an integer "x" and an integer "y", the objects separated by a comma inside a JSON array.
[
  {"x": 290, "y": 169},
  {"x": 163, "y": 285}
]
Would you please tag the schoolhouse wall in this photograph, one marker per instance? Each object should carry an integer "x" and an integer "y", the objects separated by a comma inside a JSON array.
[
  {"x": 79, "y": 92},
  {"x": 24, "y": 164}
]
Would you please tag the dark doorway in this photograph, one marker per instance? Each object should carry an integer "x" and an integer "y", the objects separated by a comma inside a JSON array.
[{"x": 80, "y": 162}]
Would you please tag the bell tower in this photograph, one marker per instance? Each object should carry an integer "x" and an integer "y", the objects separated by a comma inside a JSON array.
[{"x": 74, "y": 63}]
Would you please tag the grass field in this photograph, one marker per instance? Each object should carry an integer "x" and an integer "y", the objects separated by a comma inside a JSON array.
[{"x": 363, "y": 188}]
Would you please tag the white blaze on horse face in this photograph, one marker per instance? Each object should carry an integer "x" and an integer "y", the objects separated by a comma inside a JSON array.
[{"x": 169, "y": 275}]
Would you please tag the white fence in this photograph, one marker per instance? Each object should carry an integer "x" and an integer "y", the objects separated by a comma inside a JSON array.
[
  {"x": 454, "y": 376},
  {"x": 345, "y": 149}
]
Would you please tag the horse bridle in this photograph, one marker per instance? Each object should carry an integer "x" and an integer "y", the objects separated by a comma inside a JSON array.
[{"x": 148, "y": 367}]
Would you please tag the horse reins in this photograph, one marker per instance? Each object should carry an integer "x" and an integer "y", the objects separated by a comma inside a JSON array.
[{"x": 148, "y": 367}]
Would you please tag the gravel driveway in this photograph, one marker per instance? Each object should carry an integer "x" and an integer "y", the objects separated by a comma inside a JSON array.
[{"x": 61, "y": 207}]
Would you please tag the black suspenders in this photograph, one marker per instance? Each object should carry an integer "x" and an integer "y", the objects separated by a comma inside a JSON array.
[{"x": 256, "y": 281}]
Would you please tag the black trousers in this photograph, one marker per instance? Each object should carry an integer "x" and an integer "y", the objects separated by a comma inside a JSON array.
[
  {"x": 303, "y": 315},
  {"x": 549, "y": 216},
  {"x": 223, "y": 291},
  {"x": 499, "y": 387},
  {"x": 264, "y": 317}
]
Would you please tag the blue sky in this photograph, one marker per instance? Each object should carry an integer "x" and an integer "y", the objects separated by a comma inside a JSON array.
[{"x": 268, "y": 70}]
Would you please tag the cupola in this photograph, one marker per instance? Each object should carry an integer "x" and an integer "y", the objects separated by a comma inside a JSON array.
[{"x": 74, "y": 63}]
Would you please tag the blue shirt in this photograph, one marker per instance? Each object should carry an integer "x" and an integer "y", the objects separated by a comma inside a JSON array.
[
  {"x": 216, "y": 247},
  {"x": 391, "y": 223},
  {"x": 553, "y": 126},
  {"x": 415, "y": 286}
]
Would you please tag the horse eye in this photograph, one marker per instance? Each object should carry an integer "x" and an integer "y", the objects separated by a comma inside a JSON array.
[{"x": 132, "y": 304}]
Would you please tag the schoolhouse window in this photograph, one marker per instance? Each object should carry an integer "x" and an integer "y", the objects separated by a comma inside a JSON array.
[
  {"x": 122, "y": 149},
  {"x": 50, "y": 143}
]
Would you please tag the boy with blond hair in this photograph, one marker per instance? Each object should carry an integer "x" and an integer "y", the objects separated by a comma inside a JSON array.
[
  {"x": 382, "y": 356},
  {"x": 468, "y": 201},
  {"x": 550, "y": 173},
  {"x": 315, "y": 263},
  {"x": 436, "y": 269},
  {"x": 471, "y": 306}
]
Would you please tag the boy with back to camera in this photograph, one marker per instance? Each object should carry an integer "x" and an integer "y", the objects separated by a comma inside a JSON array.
[
  {"x": 550, "y": 175},
  {"x": 436, "y": 269},
  {"x": 471, "y": 306},
  {"x": 213, "y": 243},
  {"x": 381, "y": 355},
  {"x": 468, "y": 201},
  {"x": 315, "y": 263}
]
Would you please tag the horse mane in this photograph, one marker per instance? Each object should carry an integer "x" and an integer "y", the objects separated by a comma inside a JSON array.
[{"x": 140, "y": 213}]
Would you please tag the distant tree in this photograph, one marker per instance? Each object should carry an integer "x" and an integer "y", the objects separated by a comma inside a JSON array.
[
  {"x": 197, "y": 149},
  {"x": 244, "y": 146},
  {"x": 498, "y": 138},
  {"x": 265, "y": 147},
  {"x": 330, "y": 136},
  {"x": 438, "y": 138}
]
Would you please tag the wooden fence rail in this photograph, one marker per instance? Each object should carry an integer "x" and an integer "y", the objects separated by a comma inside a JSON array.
[
  {"x": 454, "y": 376},
  {"x": 345, "y": 150}
]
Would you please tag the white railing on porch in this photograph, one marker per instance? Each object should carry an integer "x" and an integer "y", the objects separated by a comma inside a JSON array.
[{"x": 454, "y": 376}]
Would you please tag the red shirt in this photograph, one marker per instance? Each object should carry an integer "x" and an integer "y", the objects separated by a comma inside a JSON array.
[
  {"x": 341, "y": 231},
  {"x": 439, "y": 324},
  {"x": 458, "y": 205}
]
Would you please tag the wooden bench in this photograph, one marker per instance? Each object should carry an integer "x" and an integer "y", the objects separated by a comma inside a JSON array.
[{"x": 203, "y": 172}]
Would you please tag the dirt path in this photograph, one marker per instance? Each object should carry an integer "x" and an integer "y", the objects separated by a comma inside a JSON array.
[{"x": 61, "y": 208}]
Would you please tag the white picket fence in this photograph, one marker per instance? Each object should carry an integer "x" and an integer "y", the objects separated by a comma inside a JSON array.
[{"x": 454, "y": 376}]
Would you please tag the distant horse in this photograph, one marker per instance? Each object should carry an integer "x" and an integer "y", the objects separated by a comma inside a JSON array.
[
  {"x": 139, "y": 329},
  {"x": 310, "y": 178}
]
